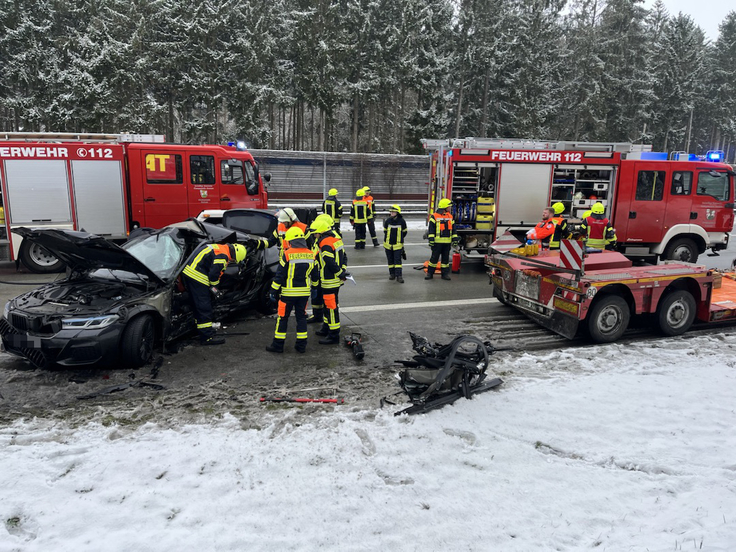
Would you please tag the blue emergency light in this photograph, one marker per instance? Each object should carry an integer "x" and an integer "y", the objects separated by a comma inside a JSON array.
[
  {"x": 239, "y": 145},
  {"x": 716, "y": 156}
]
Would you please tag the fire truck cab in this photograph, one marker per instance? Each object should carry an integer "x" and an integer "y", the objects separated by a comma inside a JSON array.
[
  {"x": 660, "y": 208},
  {"x": 110, "y": 184}
]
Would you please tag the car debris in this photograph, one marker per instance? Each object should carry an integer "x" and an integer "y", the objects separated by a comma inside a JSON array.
[
  {"x": 301, "y": 400},
  {"x": 441, "y": 374},
  {"x": 121, "y": 387}
]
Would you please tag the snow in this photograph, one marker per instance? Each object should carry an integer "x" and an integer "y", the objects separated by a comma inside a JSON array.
[{"x": 617, "y": 447}]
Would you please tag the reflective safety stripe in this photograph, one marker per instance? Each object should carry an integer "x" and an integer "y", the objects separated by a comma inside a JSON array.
[
  {"x": 302, "y": 335},
  {"x": 205, "y": 325}
]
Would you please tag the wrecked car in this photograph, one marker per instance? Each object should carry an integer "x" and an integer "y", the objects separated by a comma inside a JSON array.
[{"x": 117, "y": 303}]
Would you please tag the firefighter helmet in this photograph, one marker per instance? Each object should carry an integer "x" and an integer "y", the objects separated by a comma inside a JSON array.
[
  {"x": 294, "y": 233},
  {"x": 324, "y": 217},
  {"x": 319, "y": 226},
  {"x": 287, "y": 214},
  {"x": 367, "y": 189},
  {"x": 444, "y": 203},
  {"x": 332, "y": 192},
  {"x": 239, "y": 252},
  {"x": 360, "y": 193},
  {"x": 559, "y": 208},
  {"x": 598, "y": 208},
  {"x": 395, "y": 208}
]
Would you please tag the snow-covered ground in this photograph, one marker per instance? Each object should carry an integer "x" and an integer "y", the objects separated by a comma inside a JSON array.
[{"x": 618, "y": 447}]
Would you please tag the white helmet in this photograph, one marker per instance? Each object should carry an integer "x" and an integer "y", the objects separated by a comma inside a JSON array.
[{"x": 287, "y": 214}]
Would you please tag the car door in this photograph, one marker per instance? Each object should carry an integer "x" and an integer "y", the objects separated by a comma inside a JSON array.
[
  {"x": 647, "y": 207},
  {"x": 203, "y": 189},
  {"x": 164, "y": 191}
]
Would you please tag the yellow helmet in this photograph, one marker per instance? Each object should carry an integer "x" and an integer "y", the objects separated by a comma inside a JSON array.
[
  {"x": 444, "y": 203},
  {"x": 367, "y": 189},
  {"x": 240, "y": 252},
  {"x": 321, "y": 224},
  {"x": 294, "y": 233},
  {"x": 395, "y": 208},
  {"x": 332, "y": 192},
  {"x": 587, "y": 213},
  {"x": 598, "y": 208},
  {"x": 559, "y": 208},
  {"x": 360, "y": 193}
]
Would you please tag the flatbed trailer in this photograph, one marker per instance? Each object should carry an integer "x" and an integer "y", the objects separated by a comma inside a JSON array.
[{"x": 603, "y": 294}]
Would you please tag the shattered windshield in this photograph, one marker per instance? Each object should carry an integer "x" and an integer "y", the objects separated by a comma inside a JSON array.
[{"x": 159, "y": 252}]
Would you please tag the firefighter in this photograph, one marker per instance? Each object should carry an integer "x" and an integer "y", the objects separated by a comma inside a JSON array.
[
  {"x": 201, "y": 278},
  {"x": 332, "y": 206},
  {"x": 597, "y": 230},
  {"x": 317, "y": 296},
  {"x": 394, "y": 234},
  {"x": 333, "y": 263},
  {"x": 287, "y": 218},
  {"x": 441, "y": 234},
  {"x": 562, "y": 232},
  {"x": 359, "y": 218},
  {"x": 371, "y": 215},
  {"x": 544, "y": 230},
  {"x": 291, "y": 287}
]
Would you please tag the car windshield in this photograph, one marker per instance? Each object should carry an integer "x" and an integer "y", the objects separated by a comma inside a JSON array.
[{"x": 159, "y": 252}]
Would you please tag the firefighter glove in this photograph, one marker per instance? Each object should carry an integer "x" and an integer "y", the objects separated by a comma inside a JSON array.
[
  {"x": 403, "y": 254},
  {"x": 273, "y": 296},
  {"x": 345, "y": 275}
]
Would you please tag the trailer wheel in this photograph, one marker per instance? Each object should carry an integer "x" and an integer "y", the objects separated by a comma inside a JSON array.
[
  {"x": 38, "y": 259},
  {"x": 608, "y": 319},
  {"x": 682, "y": 249},
  {"x": 676, "y": 312},
  {"x": 499, "y": 295},
  {"x": 136, "y": 345}
]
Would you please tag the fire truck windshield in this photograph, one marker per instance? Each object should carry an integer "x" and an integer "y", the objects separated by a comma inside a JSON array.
[{"x": 714, "y": 184}]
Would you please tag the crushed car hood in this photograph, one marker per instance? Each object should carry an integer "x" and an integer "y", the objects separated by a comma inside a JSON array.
[{"x": 84, "y": 252}]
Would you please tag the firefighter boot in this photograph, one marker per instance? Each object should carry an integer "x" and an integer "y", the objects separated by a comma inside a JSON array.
[
  {"x": 276, "y": 346},
  {"x": 301, "y": 346},
  {"x": 332, "y": 338},
  {"x": 446, "y": 273},
  {"x": 315, "y": 317},
  {"x": 323, "y": 331},
  {"x": 375, "y": 242},
  {"x": 430, "y": 273},
  {"x": 399, "y": 276},
  {"x": 391, "y": 274},
  {"x": 213, "y": 340}
]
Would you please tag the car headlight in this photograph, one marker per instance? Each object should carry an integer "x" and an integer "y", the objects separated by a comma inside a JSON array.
[{"x": 92, "y": 323}]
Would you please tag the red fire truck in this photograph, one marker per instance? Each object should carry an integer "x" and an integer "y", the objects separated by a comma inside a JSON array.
[
  {"x": 601, "y": 291},
  {"x": 109, "y": 184},
  {"x": 671, "y": 209}
]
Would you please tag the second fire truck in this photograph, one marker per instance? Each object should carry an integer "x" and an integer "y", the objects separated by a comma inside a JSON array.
[{"x": 660, "y": 208}]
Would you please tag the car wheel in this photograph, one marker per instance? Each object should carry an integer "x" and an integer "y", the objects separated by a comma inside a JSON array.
[
  {"x": 136, "y": 346},
  {"x": 608, "y": 319},
  {"x": 38, "y": 259},
  {"x": 682, "y": 249},
  {"x": 676, "y": 312}
]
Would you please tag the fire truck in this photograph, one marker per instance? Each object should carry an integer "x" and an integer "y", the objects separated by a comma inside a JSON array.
[
  {"x": 661, "y": 208},
  {"x": 602, "y": 291},
  {"x": 108, "y": 184}
]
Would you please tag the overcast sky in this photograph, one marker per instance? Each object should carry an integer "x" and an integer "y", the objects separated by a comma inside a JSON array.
[{"x": 708, "y": 14}]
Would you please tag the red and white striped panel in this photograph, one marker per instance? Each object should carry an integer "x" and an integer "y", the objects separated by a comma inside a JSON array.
[
  {"x": 571, "y": 254},
  {"x": 505, "y": 243}
]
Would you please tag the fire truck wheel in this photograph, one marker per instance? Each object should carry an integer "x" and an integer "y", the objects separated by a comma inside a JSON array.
[
  {"x": 499, "y": 295},
  {"x": 37, "y": 259},
  {"x": 676, "y": 312},
  {"x": 608, "y": 319},
  {"x": 682, "y": 249},
  {"x": 136, "y": 346}
]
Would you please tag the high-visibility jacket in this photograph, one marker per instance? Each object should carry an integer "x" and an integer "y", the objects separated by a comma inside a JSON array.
[
  {"x": 371, "y": 211},
  {"x": 296, "y": 274},
  {"x": 359, "y": 211},
  {"x": 441, "y": 228},
  {"x": 332, "y": 206},
  {"x": 598, "y": 231},
  {"x": 279, "y": 235},
  {"x": 333, "y": 260},
  {"x": 208, "y": 264},
  {"x": 542, "y": 231},
  {"x": 394, "y": 232},
  {"x": 562, "y": 232}
]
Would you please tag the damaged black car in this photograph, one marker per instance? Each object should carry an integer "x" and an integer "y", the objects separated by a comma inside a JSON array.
[{"x": 118, "y": 303}]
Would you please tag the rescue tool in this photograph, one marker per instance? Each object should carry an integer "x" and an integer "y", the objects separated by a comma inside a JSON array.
[{"x": 354, "y": 342}]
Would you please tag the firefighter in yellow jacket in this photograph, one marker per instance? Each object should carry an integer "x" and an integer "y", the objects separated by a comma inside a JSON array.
[
  {"x": 201, "y": 278},
  {"x": 371, "y": 224},
  {"x": 292, "y": 287},
  {"x": 359, "y": 212},
  {"x": 333, "y": 263},
  {"x": 394, "y": 234},
  {"x": 441, "y": 236}
]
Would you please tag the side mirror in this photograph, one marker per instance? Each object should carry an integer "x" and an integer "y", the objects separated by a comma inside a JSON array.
[{"x": 267, "y": 177}]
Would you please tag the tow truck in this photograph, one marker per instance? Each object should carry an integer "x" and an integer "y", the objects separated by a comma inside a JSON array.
[{"x": 575, "y": 288}]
